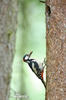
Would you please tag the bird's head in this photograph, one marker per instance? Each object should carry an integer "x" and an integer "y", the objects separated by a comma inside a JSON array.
[{"x": 27, "y": 56}]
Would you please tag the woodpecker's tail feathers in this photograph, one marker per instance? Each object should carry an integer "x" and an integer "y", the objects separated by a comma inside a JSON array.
[{"x": 44, "y": 83}]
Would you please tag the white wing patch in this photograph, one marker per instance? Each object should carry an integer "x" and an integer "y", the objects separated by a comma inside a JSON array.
[
  {"x": 39, "y": 63},
  {"x": 34, "y": 68}
]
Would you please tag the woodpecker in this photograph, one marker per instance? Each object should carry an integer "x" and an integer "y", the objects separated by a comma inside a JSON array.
[{"x": 35, "y": 66}]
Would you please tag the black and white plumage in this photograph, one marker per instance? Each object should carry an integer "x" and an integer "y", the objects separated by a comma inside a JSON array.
[{"x": 35, "y": 66}]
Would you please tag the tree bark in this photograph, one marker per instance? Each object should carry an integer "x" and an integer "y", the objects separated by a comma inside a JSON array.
[
  {"x": 8, "y": 12},
  {"x": 56, "y": 50}
]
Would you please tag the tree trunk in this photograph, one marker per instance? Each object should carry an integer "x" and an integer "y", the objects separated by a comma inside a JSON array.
[
  {"x": 8, "y": 18},
  {"x": 56, "y": 50}
]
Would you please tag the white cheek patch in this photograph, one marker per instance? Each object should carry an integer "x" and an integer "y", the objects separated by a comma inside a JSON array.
[{"x": 26, "y": 57}]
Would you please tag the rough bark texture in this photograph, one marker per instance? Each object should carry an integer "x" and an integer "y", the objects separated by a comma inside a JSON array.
[
  {"x": 7, "y": 38},
  {"x": 56, "y": 50}
]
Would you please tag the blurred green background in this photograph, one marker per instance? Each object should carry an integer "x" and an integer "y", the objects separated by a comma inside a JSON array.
[{"x": 30, "y": 36}]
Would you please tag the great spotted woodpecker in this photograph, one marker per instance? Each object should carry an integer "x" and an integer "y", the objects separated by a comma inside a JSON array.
[{"x": 35, "y": 66}]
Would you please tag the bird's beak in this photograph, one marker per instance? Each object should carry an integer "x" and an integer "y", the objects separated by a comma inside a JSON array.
[{"x": 30, "y": 53}]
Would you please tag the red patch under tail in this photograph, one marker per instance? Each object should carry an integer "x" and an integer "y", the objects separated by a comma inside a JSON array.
[{"x": 42, "y": 74}]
